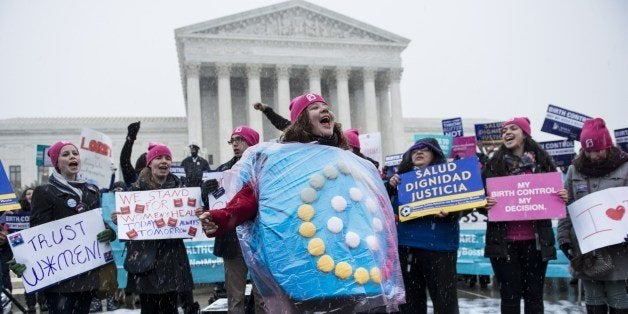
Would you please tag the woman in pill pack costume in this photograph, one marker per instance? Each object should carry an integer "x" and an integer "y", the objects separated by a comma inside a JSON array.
[{"x": 317, "y": 232}]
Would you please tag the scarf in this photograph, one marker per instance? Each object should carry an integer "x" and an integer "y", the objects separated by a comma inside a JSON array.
[
  {"x": 517, "y": 165},
  {"x": 602, "y": 168},
  {"x": 67, "y": 186},
  {"x": 328, "y": 141}
]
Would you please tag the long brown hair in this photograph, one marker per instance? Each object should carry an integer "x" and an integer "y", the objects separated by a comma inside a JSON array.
[{"x": 301, "y": 131}]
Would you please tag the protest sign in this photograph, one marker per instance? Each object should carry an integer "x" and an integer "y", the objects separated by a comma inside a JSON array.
[
  {"x": 463, "y": 147},
  {"x": 621, "y": 138},
  {"x": 562, "y": 151},
  {"x": 8, "y": 199},
  {"x": 445, "y": 187},
  {"x": 391, "y": 162},
  {"x": 371, "y": 146},
  {"x": 445, "y": 142},
  {"x": 563, "y": 122},
  {"x": 96, "y": 162},
  {"x": 42, "y": 156},
  {"x": 60, "y": 249},
  {"x": 158, "y": 214},
  {"x": 526, "y": 197},
  {"x": 599, "y": 219},
  {"x": 453, "y": 127},
  {"x": 15, "y": 221},
  {"x": 489, "y": 133},
  {"x": 218, "y": 198}
]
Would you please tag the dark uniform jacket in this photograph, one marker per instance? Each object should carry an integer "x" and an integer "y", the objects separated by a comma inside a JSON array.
[{"x": 194, "y": 170}]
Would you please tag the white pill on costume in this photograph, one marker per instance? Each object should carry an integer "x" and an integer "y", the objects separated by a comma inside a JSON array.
[
  {"x": 371, "y": 205},
  {"x": 342, "y": 166},
  {"x": 377, "y": 225},
  {"x": 308, "y": 195},
  {"x": 338, "y": 203},
  {"x": 330, "y": 172},
  {"x": 352, "y": 239},
  {"x": 372, "y": 242},
  {"x": 356, "y": 194},
  {"x": 335, "y": 224},
  {"x": 317, "y": 181}
]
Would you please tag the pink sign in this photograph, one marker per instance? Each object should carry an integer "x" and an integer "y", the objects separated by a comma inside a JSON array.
[
  {"x": 463, "y": 147},
  {"x": 526, "y": 197}
]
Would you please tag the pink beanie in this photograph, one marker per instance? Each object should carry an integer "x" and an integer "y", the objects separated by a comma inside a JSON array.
[
  {"x": 156, "y": 151},
  {"x": 55, "y": 150},
  {"x": 521, "y": 122},
  {"x": 298, "y": 104},
  {"x": 595, "y": 135},
  {"x": 353, "y": 138},
  {"x": 250, "y": 136}
]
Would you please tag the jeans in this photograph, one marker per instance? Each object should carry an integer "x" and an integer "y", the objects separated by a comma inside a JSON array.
[
  {"x": 521, "y": 275},
  {"x": 69, "y": 303},
  {"x": 429, "y": 270},
  {"x": 235, "y": 284},
  {"x": 612, "y": 293}
]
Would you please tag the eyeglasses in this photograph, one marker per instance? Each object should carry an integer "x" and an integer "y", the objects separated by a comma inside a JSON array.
[{"x": 235, "y": 140}]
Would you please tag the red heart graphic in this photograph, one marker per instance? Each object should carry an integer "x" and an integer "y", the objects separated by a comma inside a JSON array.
[{"x": 616, "y": 213}]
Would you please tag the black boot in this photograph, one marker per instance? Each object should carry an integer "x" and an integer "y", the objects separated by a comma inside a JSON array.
[
  {"x": 597, "y": 309},
  {"x": 613, "y": 310}
]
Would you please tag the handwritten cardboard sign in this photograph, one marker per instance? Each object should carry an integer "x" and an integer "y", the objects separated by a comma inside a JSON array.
[
  {"x": 96, "y": 162},
  {"x": 158, "y": 214},
  {"x": 445, "y": 187},
  {"x": 453, "y": 127},
  {"x": 60, "y": 249},
  {"x": 371, "y": 146},
  {"x": 563, "y": 122},
  {"x": 217, "y": 199},
  {"x": 463, "y": 147},
  {"x": 600, "y": 218},
  {"x": 526, "y": 197}
]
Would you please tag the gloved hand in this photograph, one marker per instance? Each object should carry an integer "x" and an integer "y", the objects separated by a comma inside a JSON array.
[
  {"x": 133, "y": 128},
  {"x": 207, "y": 187},
  {"x": 106, "y": 235},
  {"x": 16, "y": 267},
  {"x": 259, "y": 106},
  {"x": 567, "y": 250}
]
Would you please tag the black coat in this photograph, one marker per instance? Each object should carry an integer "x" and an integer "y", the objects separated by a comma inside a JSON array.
[
  {"x": 194, "y": 170},
  {"x": 50, "y": 204},
  {"x": 171, "y": 271},
  {"x": 227, "y": 245}
]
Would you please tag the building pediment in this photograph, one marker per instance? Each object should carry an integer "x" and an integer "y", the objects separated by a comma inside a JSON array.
[{"x": 292, "y": 20}]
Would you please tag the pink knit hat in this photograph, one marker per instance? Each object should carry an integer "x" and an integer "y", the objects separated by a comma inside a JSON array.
[
  {"x": 156, "y": 151},
  {"x": 353, "y": 138},
  {"x": 250, "y": 136},
  {"x": 55, "y": 150},
  {"x": 298, "y": 104},
  {"x": 595, "y": 135},
  {"x": 521, "y": 122}
]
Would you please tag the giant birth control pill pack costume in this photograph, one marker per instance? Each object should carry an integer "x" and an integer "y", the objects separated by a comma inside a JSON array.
[{"x": 325, "y": 228}]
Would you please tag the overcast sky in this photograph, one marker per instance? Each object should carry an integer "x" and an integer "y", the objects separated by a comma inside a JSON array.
[{"x": 469, "y": 59}]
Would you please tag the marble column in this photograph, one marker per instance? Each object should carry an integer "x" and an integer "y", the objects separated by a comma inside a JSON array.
[
  {"x": 314, "y": 73},
  {"x": 254, "y": 95},
  {"x": 395, "y": 110},
  {"x": 195, "y": 125},
  {"x": 370, "y": 103},
  {"x": 225, "y": 121},
  {"x": 283, "y": 90},
  {"x": 342, "y": 88},
  {"x": 385, "y": 119}
]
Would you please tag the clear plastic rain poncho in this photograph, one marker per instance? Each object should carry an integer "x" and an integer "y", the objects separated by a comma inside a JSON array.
[{"x": 324, "y": 238}]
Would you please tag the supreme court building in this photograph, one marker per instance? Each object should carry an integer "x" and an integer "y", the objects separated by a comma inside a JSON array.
[{"x": 275, "y": 53}]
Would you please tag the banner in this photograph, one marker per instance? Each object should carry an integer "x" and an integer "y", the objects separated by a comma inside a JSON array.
[
  {"x": 16, "y": 221},
  {"x": 463, "y": 147},
  {"x": 562, "y": 151},
  {"x": 526, "y": 197},
  {"x": 158, "y": 214},
  {"x": 445, "y": 187},
  {"x": 391, "y": 162},
  {"x": 96, "y": 162},
  {"x": 453, "y": 127},
  {"x": 489, "y": 133},
  {"x": 206, "y": 268},
  {"x": 563, "y": 122},
  {"x": 8, "y": 199},
  {"x": 446, "y": 142},
  {"x": 60, "y": 249},
  {"x": 42, "y": 156},
  {"x": 621, "y": 138},
  {"x": 599, "y": 218},
  {"x": 371, "y": 146}
]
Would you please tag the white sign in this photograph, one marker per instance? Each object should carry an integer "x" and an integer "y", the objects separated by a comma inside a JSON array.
[
  {"x": 371, "y": 146},
  {"x": 217, "y": 199},
  {"x": 60, "y": 249},
  {"x": 96, "y": 162},
  {"x": 599, "y": 218},
  {"x": 158, "y": 214}
]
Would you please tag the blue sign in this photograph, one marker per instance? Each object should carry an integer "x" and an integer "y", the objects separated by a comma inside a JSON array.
[
  {"x": 206, "y": 267},
  {"x": 16, "y": 221},
  {"x": 563, "y": 122},
  {"x": 489, "y": 133},
  {"x": 449, "y": 187},
  {"x": 8, "y": 199},
  {"x": 621, "y": 137},
  {"x": 391, "y": 162},
  {"x": 453, "y": 127},
  {"x": 562, "y": 151},
  {"x": 446, "y": 142}
]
